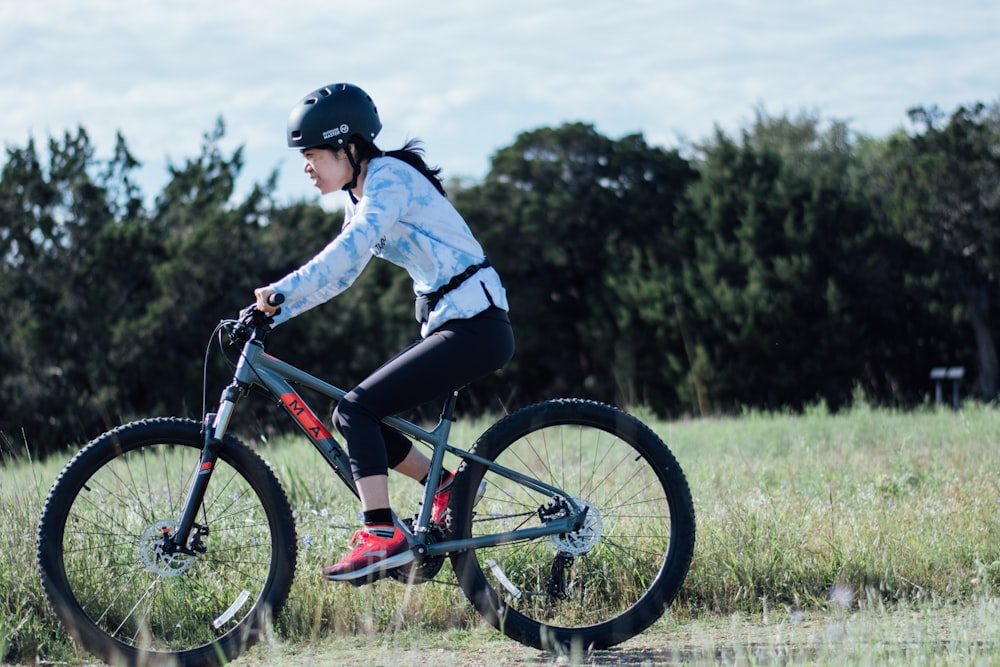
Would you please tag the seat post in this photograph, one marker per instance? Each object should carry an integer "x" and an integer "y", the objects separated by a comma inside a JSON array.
[{"x": 448, "y": 411}]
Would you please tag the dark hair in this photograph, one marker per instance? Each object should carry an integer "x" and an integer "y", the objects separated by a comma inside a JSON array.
[{"x": 411, "y": 153}]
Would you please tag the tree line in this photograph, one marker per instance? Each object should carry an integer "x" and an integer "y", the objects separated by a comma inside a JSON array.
[{"x": 793, "y": 262}]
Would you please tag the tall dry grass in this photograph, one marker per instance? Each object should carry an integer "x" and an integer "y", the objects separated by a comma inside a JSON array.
[
  {"x": 814, "y": 510},
  {"x": 796, "y": 513}
]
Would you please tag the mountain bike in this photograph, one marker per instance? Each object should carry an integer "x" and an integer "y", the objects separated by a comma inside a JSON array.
[{"x": 170, "y": 541}]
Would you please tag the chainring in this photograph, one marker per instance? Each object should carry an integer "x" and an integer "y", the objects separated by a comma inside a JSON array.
[{"x": 422, "y": 570}]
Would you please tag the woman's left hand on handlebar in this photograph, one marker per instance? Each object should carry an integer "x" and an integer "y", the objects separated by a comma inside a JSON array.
[{"x": 263, "y": 294}]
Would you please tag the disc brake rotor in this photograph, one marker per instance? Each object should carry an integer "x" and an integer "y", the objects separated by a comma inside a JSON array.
[
  {"x": 155, "y": 557},
  {"x": 586, "y": 538}
]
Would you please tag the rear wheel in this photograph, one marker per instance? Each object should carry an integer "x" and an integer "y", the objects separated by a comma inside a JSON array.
[
  {"x": 113, "y": 579},
  {"x": 615, "y": 575}
]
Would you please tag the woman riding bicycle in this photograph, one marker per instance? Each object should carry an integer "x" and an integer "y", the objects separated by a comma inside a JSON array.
[{"x": 397, "y": 211}]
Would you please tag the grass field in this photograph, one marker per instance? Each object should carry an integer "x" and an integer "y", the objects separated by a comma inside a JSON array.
[{"x": 867, "y": 537}]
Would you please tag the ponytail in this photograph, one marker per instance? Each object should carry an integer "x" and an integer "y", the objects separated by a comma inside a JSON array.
[{"x": 411, "y": 153}]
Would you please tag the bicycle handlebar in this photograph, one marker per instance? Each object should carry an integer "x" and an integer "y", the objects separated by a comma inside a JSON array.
[{"x": 253, "y": 320}]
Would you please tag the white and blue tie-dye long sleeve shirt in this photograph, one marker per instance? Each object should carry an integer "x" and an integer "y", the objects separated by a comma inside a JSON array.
[{"x": 401, "y": 218}]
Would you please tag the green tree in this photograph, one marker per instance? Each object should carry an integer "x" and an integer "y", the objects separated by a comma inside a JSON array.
[
  {"x": 210, "y": 252},
  {"x": 941, "y": 191},
  {"x": 773, "y": 236},
  {"x": 564, "y": 213},
  {"x": 74, "y": 253}
]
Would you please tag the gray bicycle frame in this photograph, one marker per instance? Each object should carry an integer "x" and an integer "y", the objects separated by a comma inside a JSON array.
[{"x": 255, "y": 367}]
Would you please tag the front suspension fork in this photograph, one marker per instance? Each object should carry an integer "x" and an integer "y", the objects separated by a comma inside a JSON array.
[{"x": 213, "y": 429}]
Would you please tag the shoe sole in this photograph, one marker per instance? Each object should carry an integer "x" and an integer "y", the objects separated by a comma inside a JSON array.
[{"x": 381, "y": 568}]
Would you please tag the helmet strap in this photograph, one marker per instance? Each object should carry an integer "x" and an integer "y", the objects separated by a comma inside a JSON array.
[{"x": 357, "y": 172}]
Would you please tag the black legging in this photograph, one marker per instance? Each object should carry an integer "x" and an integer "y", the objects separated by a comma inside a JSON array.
[{"x": 454, "y": 355}]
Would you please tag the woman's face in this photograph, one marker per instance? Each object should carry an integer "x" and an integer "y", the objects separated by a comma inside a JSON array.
[{"x": 329, "y": 170}]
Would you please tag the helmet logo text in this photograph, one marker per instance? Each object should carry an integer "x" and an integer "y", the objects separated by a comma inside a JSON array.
[{"x": 337, "y": 131}]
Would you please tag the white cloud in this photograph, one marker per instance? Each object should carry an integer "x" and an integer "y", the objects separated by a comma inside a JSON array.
[{"x": 467, "y": 77}]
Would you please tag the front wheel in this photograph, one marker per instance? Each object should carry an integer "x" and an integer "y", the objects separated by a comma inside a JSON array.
[
  {"x": 114, "y": 581},
  {"x": 609, "y": 579}
]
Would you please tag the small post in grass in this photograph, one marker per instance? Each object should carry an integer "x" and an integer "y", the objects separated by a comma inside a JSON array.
[{"x": 953, "y": 373}]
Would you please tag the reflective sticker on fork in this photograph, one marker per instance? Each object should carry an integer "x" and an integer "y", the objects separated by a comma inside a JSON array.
[
  {"x": 228, "y": 614},
  {"x": 502, "y": 578}
]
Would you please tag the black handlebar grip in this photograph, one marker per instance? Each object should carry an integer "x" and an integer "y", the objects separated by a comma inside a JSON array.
[{"x": 276, "y": 299}]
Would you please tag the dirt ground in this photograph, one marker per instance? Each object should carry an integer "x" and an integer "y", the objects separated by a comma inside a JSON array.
[{"x": 927, "y": 636}]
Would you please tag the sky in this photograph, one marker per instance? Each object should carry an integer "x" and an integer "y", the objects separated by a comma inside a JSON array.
[{"x": 468, "y": 77}]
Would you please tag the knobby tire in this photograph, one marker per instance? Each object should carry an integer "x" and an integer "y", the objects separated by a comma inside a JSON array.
[
  {"x": 103, "y": 565},
  {"x": 607, "y": 581}
]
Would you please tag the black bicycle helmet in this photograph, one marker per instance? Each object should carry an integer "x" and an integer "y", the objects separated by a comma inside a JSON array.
[{"x": 331, "y": 115}]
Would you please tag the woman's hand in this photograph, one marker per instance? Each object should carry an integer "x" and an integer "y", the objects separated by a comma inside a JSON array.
[{"x": 263, "y": 294}]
